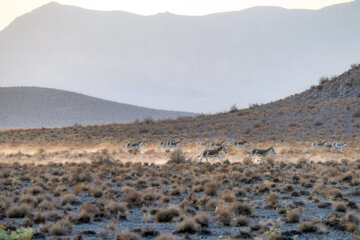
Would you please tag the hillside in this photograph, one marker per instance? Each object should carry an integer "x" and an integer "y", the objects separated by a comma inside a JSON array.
[
  {"x": 180, "y": 62},
  {"x": 330, "y": 111},
  {"x": 42, "y": 107}
]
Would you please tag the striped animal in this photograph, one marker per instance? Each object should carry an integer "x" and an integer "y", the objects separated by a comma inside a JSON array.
[
  {"x": 338, "y": 145},
  {"x": 212, "y": 153},
  {"x": 261, "y": 152},
  {"x": 213, "y": 145},
  {"x": 242, "y": 144},
  {"x": 134, "y": 145},
  {"x": 173, "y": 144},
  {"x": 322, "y": 144}
]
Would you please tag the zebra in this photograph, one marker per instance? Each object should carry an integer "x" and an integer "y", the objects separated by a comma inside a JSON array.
[
  {"x": 212, "y": 153},
  {"x": 338, "y": 145},
  {"x": 262, "y": 152},
  {"x": 173, "y": 144},
  {"x": 134, "y": 145},
  {"x": 321, "y": 144},
  {"x": 213, "y": 145},
  {"x": 242, "y": 144},
  {"x": 163, "y": 144}
]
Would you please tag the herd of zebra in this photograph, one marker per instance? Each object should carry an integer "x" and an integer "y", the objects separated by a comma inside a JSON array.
[{"x": 213, "y": 149}]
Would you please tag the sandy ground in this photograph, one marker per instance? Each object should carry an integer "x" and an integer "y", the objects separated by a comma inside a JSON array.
[{"x": 152, "y": 154}]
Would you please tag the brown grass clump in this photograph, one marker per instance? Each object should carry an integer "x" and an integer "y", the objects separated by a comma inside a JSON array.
[
  {"x": 307, "y": 227},
  {"x": 293, "y": 215},
  {"x": 87, "y": 213},
  {"x": 128, "y": 235},
  {"x": 340, "y": 206},
  {"x": 272, "y": 198},
  {"x": 210, "y": 189},
  {"x": 69, "y": 198},
  {"x": 115, "y": 207},
  {"x": 202, "y": 219},
  {"x": 132, "y": 197},
  {"x": 18, "y": 211},
  {"x": 96, "y": 192},
  {"x": 242, "y": 208},
  {"x": 187, "y": 226},
  {"x": 166, "y": 215},
  {"x": 177, "y": 157},
  {"x": 242, "y": 221},
  {"x": 224, "y": 216},
  {"x": 61, "y": 228},
  {"x": 165, "y": 237}
]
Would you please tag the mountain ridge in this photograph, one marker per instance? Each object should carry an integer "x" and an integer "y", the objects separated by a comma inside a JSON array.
[
  {"x": 193, "y": 63},
  {"x": 46, "y": 107}
]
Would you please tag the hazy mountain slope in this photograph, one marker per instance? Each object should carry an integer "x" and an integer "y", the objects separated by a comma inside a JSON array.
[
  {"x": 42, "y": 107},
  {"x": 329, "y": 111},
  {"x": 167, "y": 61}
]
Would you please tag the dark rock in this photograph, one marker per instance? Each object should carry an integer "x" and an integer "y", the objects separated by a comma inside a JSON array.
[
  {"x": 89, "y": 232},
  {"x": 324, "y": 205},
  {"x": 242, "y": 235},
  {"x": 38, "y": 235}
]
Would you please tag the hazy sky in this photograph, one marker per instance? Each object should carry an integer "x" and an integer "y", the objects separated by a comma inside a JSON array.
[{"x": 10, "y": 9}]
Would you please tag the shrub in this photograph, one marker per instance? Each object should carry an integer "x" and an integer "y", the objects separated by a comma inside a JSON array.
[
  {"x": 242, "y": 221},
  {"x": 241, "y": 208},
  {"x": 166, "y": 215},
  {"x": 202, "y": 219},
  {"x": 20, "y": 234},
  {"x": 293, "y": 215},
  {"x": 233, "y": 108},
  {"x": 340, "y": 207},
  {"x": 115, "y": 207},
  {"x": 69, "y": 198},
  {"x": 61, "y": 228},
  {"x": 224, "y": 216},
  {"x": 128, "y": 236},
  {"x": 210, "y": 189},
  {"x": 132, "y": 197},
  {"x": 18, "y": 211},
  {"x": 187, "y": 226},
  {"x": 165, "y": 237},
  {"x": 177, "y": 156},
  {"x": 307, "y": 227}
]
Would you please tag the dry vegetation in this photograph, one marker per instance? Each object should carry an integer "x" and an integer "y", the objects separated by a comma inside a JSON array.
[
  {"x": 119, "y": 200},
  {"x": 80, "y": 183}
]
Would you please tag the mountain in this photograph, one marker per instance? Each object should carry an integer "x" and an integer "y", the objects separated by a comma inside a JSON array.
[
  {"x": 327, "y": 111},
  {"x": 43, "y": 107},
  {"x": 167, "y": 61}
]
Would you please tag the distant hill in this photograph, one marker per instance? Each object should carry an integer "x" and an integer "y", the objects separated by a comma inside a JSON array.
[
  {"x": 167, "y": 61},
  {"x": 42, "y": 107},
  {"x": 327, "y": 111}
]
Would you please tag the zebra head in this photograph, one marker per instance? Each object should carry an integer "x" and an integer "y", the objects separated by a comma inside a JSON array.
[
  {"x": 272, "y": 150},
  {"x": 222, "y": 148}
]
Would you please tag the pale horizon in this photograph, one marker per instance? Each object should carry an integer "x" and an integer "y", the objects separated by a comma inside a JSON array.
[{"x": 11, "y": 9}]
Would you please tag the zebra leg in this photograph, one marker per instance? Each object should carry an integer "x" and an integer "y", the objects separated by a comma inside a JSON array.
[{"x": 221, "y": 160}]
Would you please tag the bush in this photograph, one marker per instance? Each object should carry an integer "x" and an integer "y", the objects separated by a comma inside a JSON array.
[
  {"x": 293, "y": 215},
  {"x": 210, "y": 189},
  {"x": 177, "y": 156},
  {"x": 166, "y": 215},
  {"x": 307, "y": 227},
  {"x": 165, "y": 237},
  {"x": 187, "y": 226},
  {"x": 61, "y": 228},
  {"x": 20, "y": 234},
  {"x": 233, "y": 108},
  {"x": 241, "y": 208},
  {"x": 128, "y": 236},
  {"x": 224, "y": 216}
]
